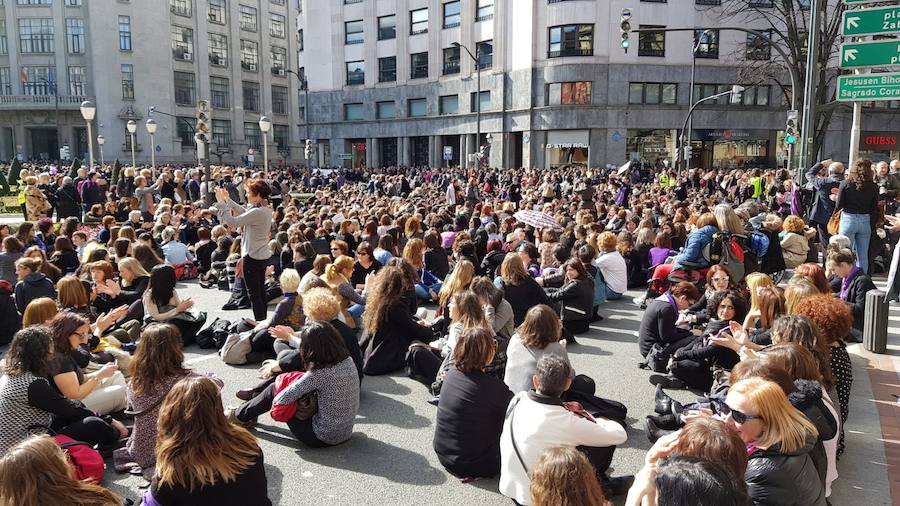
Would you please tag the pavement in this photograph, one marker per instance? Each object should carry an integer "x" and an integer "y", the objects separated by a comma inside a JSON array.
[{"x": 389, "y": 459}]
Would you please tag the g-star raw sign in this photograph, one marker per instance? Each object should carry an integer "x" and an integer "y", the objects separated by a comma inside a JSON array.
[{"x": 876, "y": 21}]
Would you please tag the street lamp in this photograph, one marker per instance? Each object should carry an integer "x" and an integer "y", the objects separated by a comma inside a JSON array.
[
  {"x": 477, "y": 94},
  {"x": 100, "y": 142},
  {"x": 88, "y": 111},
  {"x": 304, "y": 86},
  {"x": 704, "y": 35},
  {"x": 265, "y": 124},
  {"x": 151, "y": 129},
  {"x": 131, "y": 126}
]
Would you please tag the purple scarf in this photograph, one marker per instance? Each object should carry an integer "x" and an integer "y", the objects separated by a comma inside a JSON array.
[
  {"x": 674, "y": 308},
  {"x": 845, "y": 285}
]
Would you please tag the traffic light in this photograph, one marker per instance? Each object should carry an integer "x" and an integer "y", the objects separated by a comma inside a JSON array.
[
  {"x": 790, "y": 128},
  {"x": 626, "y": 27},
  {"x": 688, "y": 152},
  {"x": 203, "y": 118},
  {"x": 737, "y": 92}
]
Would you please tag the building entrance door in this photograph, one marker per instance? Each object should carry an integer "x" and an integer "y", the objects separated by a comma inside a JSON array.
[{"x": 44, "y": 143}]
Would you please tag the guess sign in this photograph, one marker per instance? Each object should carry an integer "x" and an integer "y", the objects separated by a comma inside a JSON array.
[{"x": 882, "y": 141}]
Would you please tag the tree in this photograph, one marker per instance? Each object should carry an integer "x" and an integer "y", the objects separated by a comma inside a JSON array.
[
  {"x": 4, "y": 185},
  {"x": 787, "y": 22},
  {"x": 73, "y": 171},
  {"x": 14, "y": 170}
]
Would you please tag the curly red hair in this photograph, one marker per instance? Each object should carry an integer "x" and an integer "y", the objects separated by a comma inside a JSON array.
[{"x": 831, "y": 315}]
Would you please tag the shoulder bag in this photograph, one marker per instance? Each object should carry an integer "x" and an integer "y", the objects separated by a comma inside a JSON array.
[{"x": 834, "y": 223}]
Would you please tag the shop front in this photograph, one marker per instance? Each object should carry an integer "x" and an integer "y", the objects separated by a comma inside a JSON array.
[
  {"x": 732, "y": 149},
  {"x": 879, "y": 146},
  {"x": 652, "y": 146},
  {"x": 567, "y": 148},
  {"x": 357, "y": 153}
]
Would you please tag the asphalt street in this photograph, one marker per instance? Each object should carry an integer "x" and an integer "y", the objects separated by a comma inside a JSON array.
[{"x": 390, "y": 460}]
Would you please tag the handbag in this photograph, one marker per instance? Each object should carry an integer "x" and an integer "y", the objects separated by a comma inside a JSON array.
[
  {"x": 834, "y": 223},
  {"x": 84, "y": 459},
  {"x": 303, "y": 409},
  {"x": 235, "y": 349}
]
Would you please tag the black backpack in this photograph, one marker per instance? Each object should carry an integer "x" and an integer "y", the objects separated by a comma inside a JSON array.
[{"x": 214, "y": 334}]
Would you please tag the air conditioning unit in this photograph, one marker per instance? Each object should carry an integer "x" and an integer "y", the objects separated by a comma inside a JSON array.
[
  {"x": 277, "y": 71},
  {"x": 186, "y": 56},
  {"x": 251, "y": 67}
]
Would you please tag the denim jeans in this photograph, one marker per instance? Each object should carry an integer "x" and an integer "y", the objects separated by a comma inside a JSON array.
[
  {"x": 422, "y": 290},
  {"x": 606, "y": 294},
  {"x": 858, "y": 228}
]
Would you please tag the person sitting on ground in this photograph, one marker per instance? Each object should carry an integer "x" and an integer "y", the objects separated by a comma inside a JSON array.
[
  {"x": 497, "y": 310},
  {"x": 658, "y": 325},
  {"x": 12, "y": 251},
  {"x": 855, "y": 284},
  {"x": 32, "y": 283},
  {"x": 795, "y": 243},
  {"x": 220, "y": 464},
  {"x": 64, "y": 256},
  {"x": 337, "y": 275},
  {"x": 538, "y": 335},
  {"x": 471, "y": 409},
  {"x": 163, "y": 305},
  {"x": 176, "y": 252},
  {"x": 38, "y": 472},
  {"x": 563, "y": 476},
  {"x": 538, "y": 419},
  {"x": 519, "y": 288},
  {"x": 39, "y": 312},
  {"x": 576, "y": 298},
  {"x": 330, "y": 378},
  {"x": 612, "y": 267},
  {"x": 288, "y": 312}
]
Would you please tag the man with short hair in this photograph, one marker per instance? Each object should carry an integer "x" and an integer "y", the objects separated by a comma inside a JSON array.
[
  {"x": 538, "y": 419},
  {"x": 823, "y": 206}
]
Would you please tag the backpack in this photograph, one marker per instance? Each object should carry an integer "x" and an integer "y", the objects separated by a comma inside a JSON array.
[
  {"x": 84, "y": 459},
  {"x": 214, "y": 335},
  {"x": 732, "y": 259},
  {"x": 759, "y": 244}
]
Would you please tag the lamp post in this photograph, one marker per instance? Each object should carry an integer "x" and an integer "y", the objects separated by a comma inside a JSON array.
[
  {"x": 131, "y": 126},
  {"x": 88, "y": 111},
  {"x": 100, "y": 142},
  {"x": 151, "y": 129},
  {"x": 265, "y": 124},
  {"x": 304, "y": 86},
  {"x": 477, "y": 94},
  {"x": 690, "y": 130}
]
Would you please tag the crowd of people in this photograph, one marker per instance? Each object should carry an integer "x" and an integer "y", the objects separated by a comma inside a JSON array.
[{"x": 476, "y": 283}]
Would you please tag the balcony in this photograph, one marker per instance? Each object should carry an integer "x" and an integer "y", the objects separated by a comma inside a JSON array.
[
  {"x": 27, "y": 102},
  {"x": 570, "y": 52}
]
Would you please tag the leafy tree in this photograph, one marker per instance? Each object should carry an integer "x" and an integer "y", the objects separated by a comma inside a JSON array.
[
  {"x": 14, "y": 170},
  {"x": 73, "y": 171}
]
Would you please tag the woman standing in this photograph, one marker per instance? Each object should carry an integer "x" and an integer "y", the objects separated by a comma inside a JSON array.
[
  {"x": 219, "y": 464},
  {"x": 257, "y": 227},
  {"x": 858, "y": 199}
]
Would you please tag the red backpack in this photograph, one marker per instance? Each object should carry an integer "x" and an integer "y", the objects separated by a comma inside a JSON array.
[{"x": 85, "y": 460}]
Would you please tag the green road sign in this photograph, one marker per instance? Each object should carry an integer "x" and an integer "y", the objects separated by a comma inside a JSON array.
[
  {"x": 870, "y": 54},
  {"x": 869, "y": 87},
  {"x": 858, "y": 2},
  {"x": 880, "y": 20}
]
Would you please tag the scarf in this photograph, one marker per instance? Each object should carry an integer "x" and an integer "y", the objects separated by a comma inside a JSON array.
[{"x": 845, "y": 285}]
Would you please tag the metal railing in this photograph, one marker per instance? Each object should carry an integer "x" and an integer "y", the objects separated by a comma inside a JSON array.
[{"x": 43, "y": 100}]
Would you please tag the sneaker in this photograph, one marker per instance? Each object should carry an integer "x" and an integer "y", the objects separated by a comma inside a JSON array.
[
  {"x": 244, "y": 395},
  {"x": 229, "y": 414},
  {"x": 638, "y": 301}
]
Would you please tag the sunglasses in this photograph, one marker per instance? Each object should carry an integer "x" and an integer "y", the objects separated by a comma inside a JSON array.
[
  {"x": 722, "y": 408},
  {"x": 362, "y": 253}
]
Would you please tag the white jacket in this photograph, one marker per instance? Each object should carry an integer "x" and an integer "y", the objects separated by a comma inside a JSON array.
[{"x": 541, "y": 423}]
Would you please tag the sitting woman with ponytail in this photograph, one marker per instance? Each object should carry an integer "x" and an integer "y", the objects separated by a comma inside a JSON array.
[{"x": 338, "y": 275}]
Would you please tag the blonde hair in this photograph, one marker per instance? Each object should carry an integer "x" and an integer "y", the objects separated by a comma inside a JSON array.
[
  {"x": 321, "y": 304},
  {"x": 457, "y": 281},
  {"x": 512, "y": 270},
  {"x": 784, "y": 425},
  {"x": 333, "y": 275},
  {"x": 471, "y": 312},
  {"x": 414, "y": 252},
  {"x": 39, "y": 311},
  {"x": 191, "y": 458},
  {"x": 290, "y": 280},
  {"x": 798, "y": 288},
  {"x": 36, "y": 472},
  {"x": 71, "y": 292},
  {"x": 728, "y": 220},
  {"x": 607, "y": 242},
  {"x": 755, "y": 281},
  {"x": 134, "y": 265}
]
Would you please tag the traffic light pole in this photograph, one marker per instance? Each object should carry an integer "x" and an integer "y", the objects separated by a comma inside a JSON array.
[{"x": 808, "y": 119}]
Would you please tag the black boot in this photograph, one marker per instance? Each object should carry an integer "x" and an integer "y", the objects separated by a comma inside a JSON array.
[
  {"x": 653, "y": 431},
  {"x": 663, "y": 401},
  {"x": 666, "y": 422}
]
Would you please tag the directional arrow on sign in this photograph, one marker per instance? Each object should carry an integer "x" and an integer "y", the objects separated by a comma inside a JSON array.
[
  {"x": 852, "y": 22},
  {"x": 873, "y": 21},
  {"x": 879, "y": 53},
  {"x": 850, "y": 54}
]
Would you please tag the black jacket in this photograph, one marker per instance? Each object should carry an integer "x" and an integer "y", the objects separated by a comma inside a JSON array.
[
  {"x": 10, "y": 322},
  {"x": 385, "y": 352},
  {"x": 823, "y": 206},
  {"x": 34, "y": 285},
  {"x": 856, "y": 298},
  {"x": 577, "y": 299},
  {"x": 776, "y": 478},
  {"x": 658, "y": 326},
  {"x": 491, "y": 263},
  {"x": 807, "y": 398},
  {"x": 68, "y": 203},
  {"x": 67, "y": 261},
  {"x": 853, "y": 200},
  {"x": 523, "y": 297},
  {"x": 437, "y": 263}
]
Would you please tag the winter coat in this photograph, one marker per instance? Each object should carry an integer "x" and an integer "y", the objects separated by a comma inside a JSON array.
[
  {"x": 794, "y": 247},
  {"x": 10, "y": 322},
  {"x": 856, "y": 298},
  {"x": 36, "y": 204},
  {"x": 776, "y": 478},
  {"x": 34, "y": 285},
  {"x": 807, "y": 398},
  {"x": 68, "y": 202},
  {"x": 577, "y": 298},
  {"x": 696, "y": 242}
]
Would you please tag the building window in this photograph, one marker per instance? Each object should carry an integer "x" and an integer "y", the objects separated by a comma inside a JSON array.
[
  {"x": 252, "y": 134},
  {"x": 451, "y": 60},
  {"x": 702, "y": 91},
  {"x": 418, "y": 63},
  {"x": 760, "y": 4},
  {"x": 386, "y": 110},
  {"x": 452, "y": 14},
  {"x": 5, "y": 81},
  {"x": 180, "y": 7},
  {"x": 251, "y": 96},
  {"x": 249, "y": 56},
  {"x": 75, "y": 35},
  {"x": 571, "y": 40},
  {"x": 756, "y": 95},
  {"x": 124, "y": 33},
  {"x": 182, "y": 43},
  {"x": 276, "y": 25},
  {"x": 248, "y": 18},
  {"x": 417, "y": 108},
  {"x": 353, "y": 112},
  {"x": 387, "y": 27},
  {"x": 127, "y": 81},
  {"x": 759, "y": 48},
  {"x": 449, "y": 104},
  {"x": 219, "y": 92},
  {"x": 651, "y": 43},
  {"x": 36, "y": 35},
  {"x": 4, "y": 45},
  {"x": 279, "y": 100},
  {"x": 485, "y": 52},
  {"x": 34, "y": 2},
  {"x": 218, "y": 50},
  {"x": 707, "y": 43},
  {"x": 652, "y": 93},
  {"x": 300, "y": 39},
  {"x": 279, "y": 60},
  {"x": 356, "y": 73},
  {"x": 281, "y": 134},
  {"x": 418, "y": 21},
  {"x": 221, "y": 132},
  {"x": 484, "y": 98},
  {"x": 182, "y": 129},
  {"x": 484, "y": 10},
  {"x": 69, "y": 3},
  {"x": 387, "y": 69},
  {"x": 708, "y": 2},
  {"x": 215, "y": 13},
  {"x": 37, "y": 80},
  {"x": 569, "y": 93},
  {"x": 277, "y": 2},
  {"x": 76, "y": 80},
  {"x": 184, "y": 88},
  {"x": 353, "y": 32}
]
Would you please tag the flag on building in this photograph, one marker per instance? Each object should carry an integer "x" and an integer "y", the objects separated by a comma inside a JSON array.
[{"x": 22, "y": 75}]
